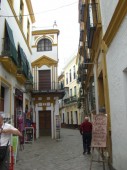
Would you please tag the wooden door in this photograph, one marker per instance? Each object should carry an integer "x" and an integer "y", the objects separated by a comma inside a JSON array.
[
  {"x": 45, "y": 123},
  {"x": 44, "y": 79}
]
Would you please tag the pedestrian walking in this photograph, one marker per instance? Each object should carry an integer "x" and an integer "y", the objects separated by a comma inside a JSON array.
[
  {"x": 6, "y": 130},
  {"x": 86, "y": 132}
]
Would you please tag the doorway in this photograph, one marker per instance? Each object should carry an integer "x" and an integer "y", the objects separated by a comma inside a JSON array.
[{"x": 45, "y": 123}]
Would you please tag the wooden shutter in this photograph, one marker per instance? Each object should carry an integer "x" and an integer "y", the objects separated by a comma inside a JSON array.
[{"x": 44, "y": 80}]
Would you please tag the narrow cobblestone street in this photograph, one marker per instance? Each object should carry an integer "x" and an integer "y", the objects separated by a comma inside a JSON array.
[{"x": 48, "y": 154}]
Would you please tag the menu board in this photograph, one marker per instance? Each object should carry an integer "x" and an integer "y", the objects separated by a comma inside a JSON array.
[{"x": 99, "y": 131}]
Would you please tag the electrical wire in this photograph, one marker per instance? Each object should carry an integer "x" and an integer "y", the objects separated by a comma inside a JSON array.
[{"x": 9, "y": 16}]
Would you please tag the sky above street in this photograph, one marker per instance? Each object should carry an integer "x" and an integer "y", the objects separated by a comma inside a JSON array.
[{"x": 65, "y": 13}]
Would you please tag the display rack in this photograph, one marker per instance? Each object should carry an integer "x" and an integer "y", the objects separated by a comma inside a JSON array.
[{"x": 29, "y": 134}]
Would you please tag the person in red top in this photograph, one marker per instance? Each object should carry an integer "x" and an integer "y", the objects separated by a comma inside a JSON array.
[{"x": 86, "y": 132}]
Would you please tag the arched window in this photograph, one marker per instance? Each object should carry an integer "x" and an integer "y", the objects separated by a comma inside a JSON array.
[{"x": 44, "y": 45}]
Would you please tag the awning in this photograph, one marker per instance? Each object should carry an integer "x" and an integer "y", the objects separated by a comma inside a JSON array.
[
  {"x": 24, "y": 65},
  {"x": 13, "y": 51},
  {"x": 10, "y": 33}
]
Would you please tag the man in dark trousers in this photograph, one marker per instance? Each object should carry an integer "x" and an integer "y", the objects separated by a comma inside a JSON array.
[{"x": 86, "y": 132}]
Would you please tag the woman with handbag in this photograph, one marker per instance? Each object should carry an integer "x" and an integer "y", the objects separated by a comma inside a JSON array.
[{"x": 6, "y": 130}]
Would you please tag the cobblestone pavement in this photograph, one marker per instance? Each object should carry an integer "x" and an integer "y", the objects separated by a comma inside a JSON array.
[{"x": 48, "y": 154}]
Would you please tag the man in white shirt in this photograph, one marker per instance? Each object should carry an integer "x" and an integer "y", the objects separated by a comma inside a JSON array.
[{"x": 6, "y": 130}]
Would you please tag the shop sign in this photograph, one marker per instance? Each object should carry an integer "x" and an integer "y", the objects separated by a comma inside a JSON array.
[{"x": 99, "y": 131}]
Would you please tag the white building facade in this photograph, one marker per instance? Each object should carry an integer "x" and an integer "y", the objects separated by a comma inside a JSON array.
[
  {"x": 114, "y": 29},
  {"x": 46, "y": 90},
  {"x": 69, "y": 111},
  {"x": 15, "y": 55}
]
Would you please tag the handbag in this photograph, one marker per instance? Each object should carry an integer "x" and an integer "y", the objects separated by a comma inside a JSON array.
[{"x": 3, "y": 151}]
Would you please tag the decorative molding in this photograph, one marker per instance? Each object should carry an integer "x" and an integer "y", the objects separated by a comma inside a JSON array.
[
  {"x": 8, "y": 64},
  {"x": 30, "y": 9},
  {"x": 21, "y": 78},
  {"x": 12, "y": 2},
  {"x": 54, "y": 44},
  {"x": 117, "y": 18},
  {"x": 35, "y": 46},
  {"x": 43, "y": 37},
  {"x": 44, "y": 60},
  {"x": 36, "y": 37},
  {"x": 5, "y": 82},
  {"x": 20, "y": 27},
  {"x": 41, "y": 32},
  {"x": 52, "y": 36}
]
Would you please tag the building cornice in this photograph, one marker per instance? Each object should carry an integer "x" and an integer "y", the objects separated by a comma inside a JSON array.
[
  {"x": 41, "y": 32},
  {"x": 117, "y": 18},
  {"x": 5, "y": 82},
  {"x": 30, "y": 9}
]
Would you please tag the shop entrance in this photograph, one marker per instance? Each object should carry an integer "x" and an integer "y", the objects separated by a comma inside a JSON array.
[{"x": 45, "y": 123}]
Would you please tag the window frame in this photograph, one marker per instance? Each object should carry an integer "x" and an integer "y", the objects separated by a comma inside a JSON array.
[
  {"x": 74, "y": 72},
  {"x": 70, "y": 75},
  {"x": 66, "y": 78},
  {"x": 44, "y": 45}
]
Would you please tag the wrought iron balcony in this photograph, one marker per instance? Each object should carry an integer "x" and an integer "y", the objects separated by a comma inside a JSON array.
[
  {"x": 70, "y": 100},
  {"x": 47, "y": 86},
  {"x": 82, "y": 69},
  {"x": 22, "y": 70},
  {"x": 30, "y": 77},
  {"x": 86, "y": 63},
  {"x": 9, "y": 50},
  {"x": 52, "y": 88},
  {"x": 92, "y": 20}
]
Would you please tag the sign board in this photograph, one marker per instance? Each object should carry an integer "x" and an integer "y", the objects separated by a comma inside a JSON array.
[
  {"x": 99, "y": 130},
  {"x": 15, "y": 141}
]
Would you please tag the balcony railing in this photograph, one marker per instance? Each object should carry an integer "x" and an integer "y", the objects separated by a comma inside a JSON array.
[
  {"x": 47, "y": 86},
  {"x": 24, "y": 67},
  {"x": 9, "y": 50},
  {"x": 82, "y": 69},
  {"x": 22, "y": 70},
  {"x": 30, "y": 77},
  {"x": 70, "y": 100},
  {"x": 92, "y": 20}
]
